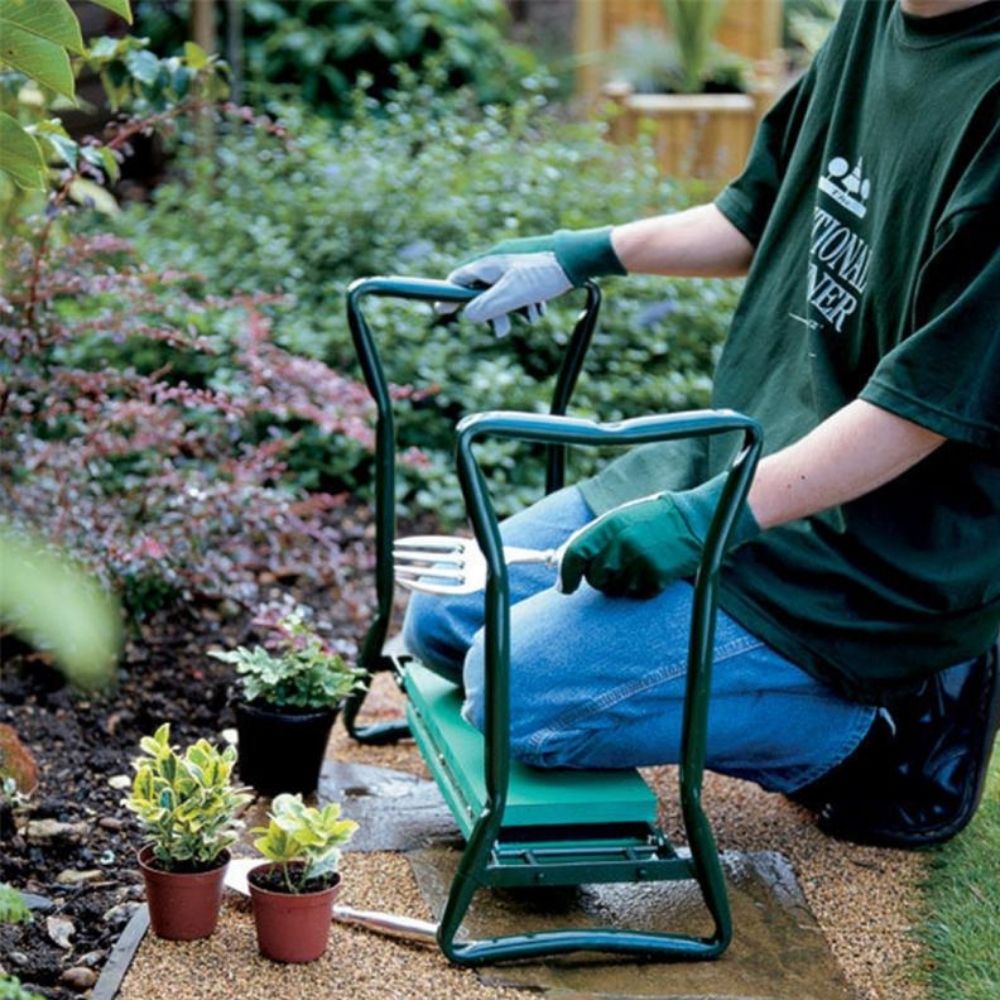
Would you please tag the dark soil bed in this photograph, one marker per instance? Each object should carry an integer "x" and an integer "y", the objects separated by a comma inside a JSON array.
[{"x": 82, "y": 867}]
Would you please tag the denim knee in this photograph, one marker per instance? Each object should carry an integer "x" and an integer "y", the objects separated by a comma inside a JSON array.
[
  {"x": 428, "y": 634},
  {"x": 529, "y": 714}
]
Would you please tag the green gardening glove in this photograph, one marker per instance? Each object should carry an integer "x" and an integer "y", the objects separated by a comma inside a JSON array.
[{"x": 638, "y": 548}]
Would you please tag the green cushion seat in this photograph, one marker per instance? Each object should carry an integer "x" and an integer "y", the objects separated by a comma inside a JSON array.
[{"x": 454, "y": 751}]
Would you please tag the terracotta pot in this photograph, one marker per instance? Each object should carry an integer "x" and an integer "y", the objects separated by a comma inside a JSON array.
[
  {"x": 291, "y": 927},
  {"x": 282, "y": 750},
  {"x": 182, "y": 906}
]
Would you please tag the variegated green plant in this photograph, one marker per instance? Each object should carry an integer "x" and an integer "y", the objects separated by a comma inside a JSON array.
[
  {"x": 186, "y": 801},
  {"x": 304, "y": 840}
]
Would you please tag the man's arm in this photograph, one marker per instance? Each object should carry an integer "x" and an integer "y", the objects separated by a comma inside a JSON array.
[
  {"x": 854, "y": 451},
  {"x": 639, "y": 548},
  {"x": 699, "y": 242}
]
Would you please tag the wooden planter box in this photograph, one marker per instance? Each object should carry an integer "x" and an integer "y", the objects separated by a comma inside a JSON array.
[{"x": 707, "y": 136}]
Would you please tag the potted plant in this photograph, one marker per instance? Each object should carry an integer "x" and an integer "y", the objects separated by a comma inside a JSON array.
[
  {"x": 188, "y": 805},
  {"x": 703, "y": 100},
  {"x": 292, "y": 895},
  {"x": 287, "y": 705},
  {"x": 688, "y": 61}
]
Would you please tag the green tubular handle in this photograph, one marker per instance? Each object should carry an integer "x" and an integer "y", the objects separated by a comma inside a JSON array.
[
  {"x": 427, "y": 290},
  {"x": 565, "y": 431}
]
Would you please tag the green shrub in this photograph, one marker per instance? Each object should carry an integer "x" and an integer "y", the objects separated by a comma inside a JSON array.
[
  {"x": 317, "y": 51},
  {"x": 415, "y": 192},
  {"x": 11, "y": 989}
]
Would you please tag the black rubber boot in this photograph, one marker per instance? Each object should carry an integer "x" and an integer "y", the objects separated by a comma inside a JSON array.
[{"x": 917, "y": 777}]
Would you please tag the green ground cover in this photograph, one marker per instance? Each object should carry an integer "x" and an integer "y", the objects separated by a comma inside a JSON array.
[{"x": 961, "y": 927}]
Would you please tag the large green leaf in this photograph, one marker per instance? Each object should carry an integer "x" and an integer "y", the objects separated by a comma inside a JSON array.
[
  {"x": 38, "y": 58},
  {"x": 55, "y": 605},
  {"x": 19, "y": 155},
  {"x": 52, "y": 20},
  {"x": 120, "y": 7}
]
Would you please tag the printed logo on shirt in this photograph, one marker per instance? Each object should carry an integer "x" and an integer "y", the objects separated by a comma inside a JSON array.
[
  {"x": 847, "y": 187},
  {"x": 839, "y": 259}
]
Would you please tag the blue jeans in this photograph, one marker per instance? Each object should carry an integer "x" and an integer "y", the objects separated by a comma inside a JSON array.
[{"x": 598, "y": 682}]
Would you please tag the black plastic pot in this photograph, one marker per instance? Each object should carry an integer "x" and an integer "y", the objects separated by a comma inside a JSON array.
[{"x": 281, "y": 750}]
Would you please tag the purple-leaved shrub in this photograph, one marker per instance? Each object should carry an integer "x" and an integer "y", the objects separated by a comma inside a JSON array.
[{"x": 161, "y": 475}]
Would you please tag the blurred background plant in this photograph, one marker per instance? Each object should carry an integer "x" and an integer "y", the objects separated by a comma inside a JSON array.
[
  {"x": 687, "y": 60},
  {"x": 317, "y": 51},
  {"x": 412, "y": 185},
  {"x": 115, "y": 450},
  {"x": 180, "y": 399}
]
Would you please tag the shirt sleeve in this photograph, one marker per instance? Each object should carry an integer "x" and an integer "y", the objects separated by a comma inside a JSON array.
[
  {"x": 748, "y": 200},
  {"x": 946, "y": 374}
]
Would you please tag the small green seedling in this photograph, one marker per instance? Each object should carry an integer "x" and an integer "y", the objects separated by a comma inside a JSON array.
[
  {"x": 13, "y": 908},
  {"x": 187, "y": 802},
  {"x": 305, "y": 841},
  {"x": 305, "y": 674}
]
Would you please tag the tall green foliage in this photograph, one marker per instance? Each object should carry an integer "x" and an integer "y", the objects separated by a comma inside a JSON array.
[
  {"x": 693, "y": 24},
  {"x": 41, "y": 54}
]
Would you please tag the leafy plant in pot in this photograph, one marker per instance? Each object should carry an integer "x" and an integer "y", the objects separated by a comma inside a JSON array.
[
  {"x": 292, "y": 895},
  {"x": 288, "y": 704},
  {"x": 189, "y": 806},
  {"x": 687, "y": 61}
]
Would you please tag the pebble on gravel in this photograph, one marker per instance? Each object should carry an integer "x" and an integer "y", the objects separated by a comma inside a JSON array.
[
  {"x": 60, "y": 930},
  {"x": 44, "y": 832},
  {"x": 79, "y": 978},
  {"x": 120, "y": 782},
  {"x": 70, "y": 876}
]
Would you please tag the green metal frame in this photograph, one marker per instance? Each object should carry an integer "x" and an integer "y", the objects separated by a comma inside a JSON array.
[
  {"x": 427, "y": 290},
  {"x": 565, "y": 855}
]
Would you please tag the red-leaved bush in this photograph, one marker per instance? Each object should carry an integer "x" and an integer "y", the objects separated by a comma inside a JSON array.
[{"x": 148, "y": 443}]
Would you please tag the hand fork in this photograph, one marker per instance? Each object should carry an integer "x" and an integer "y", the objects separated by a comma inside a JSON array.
[{"x": 449, "y": 565}]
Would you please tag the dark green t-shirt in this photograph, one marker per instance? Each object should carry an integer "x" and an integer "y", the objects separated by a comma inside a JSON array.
[{"x": 872, "y": 196}]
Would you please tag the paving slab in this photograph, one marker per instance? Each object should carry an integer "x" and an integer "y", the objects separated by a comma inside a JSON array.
[
  {"x": 395, "y": 811},
  {"x": 778, "y": 950}
]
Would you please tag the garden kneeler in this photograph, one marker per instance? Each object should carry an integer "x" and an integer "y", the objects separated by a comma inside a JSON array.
[{"x": 523, "y": 825}]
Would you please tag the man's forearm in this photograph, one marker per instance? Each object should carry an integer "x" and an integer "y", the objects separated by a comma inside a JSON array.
[
  {"x": 698, "y": 242},
  {"x": 853, "y": 452}
]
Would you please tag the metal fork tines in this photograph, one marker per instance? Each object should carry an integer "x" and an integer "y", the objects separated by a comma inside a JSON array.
[{"x": 447, "y": 564}]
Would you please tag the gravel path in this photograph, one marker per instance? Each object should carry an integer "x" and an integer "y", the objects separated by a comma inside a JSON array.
[{"x": 864, "y": 898}]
